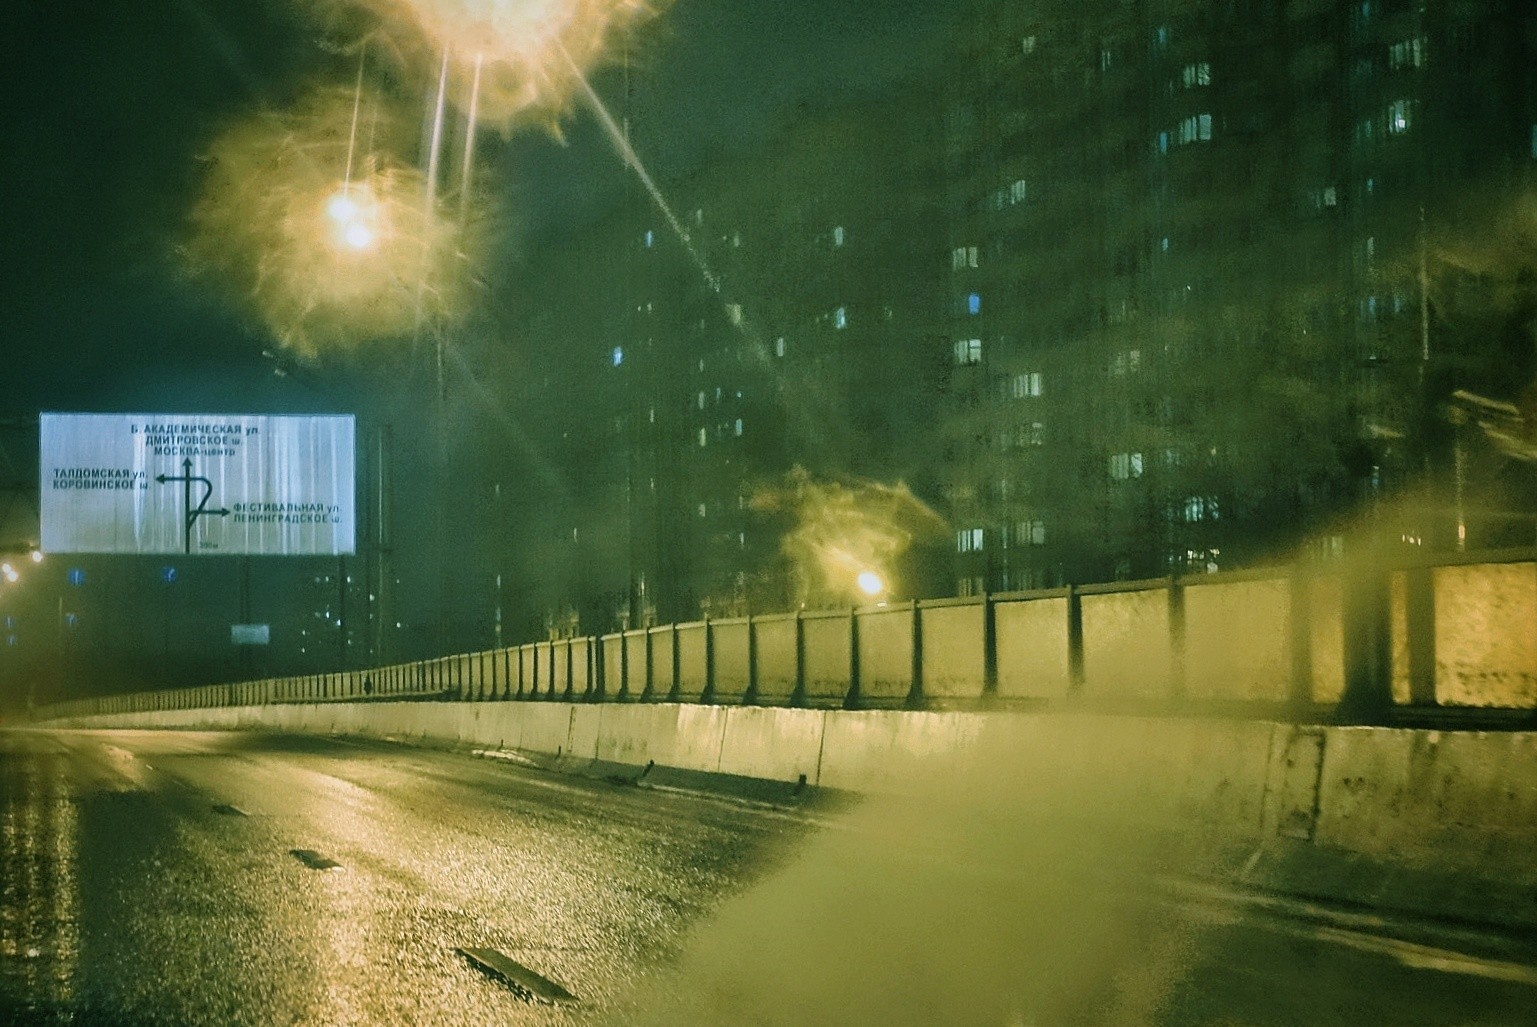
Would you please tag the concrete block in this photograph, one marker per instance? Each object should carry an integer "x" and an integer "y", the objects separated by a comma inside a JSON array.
[
  {"x": 528, "y": 671},
  {"x": 777, "y": 744},
  {"x": 691, "y": 662},
  {"x": 1486, "y": 635},
  {"x": 1326, "y": 637},
  {"x": 559, "y": 676},
  {"x": 732, "y": 655},
  {"x": 544, "y": 727},
  {"x": 954, "y": 664},
  {"x": 1238, "y": 640},
  {"x": 885, "y": 654},
  {"x": 1126, "y": 644},
  {"x": 637, "y": 734},
  {"x": 883, "y": 750},
  {"x": 827, "y": 646},
  {"x": 586, "y": 722},
  {"x": 776, "y": 658},
  {"x": 1464, "y": 801},
  {"x": 1032, "y": 648},
  {"x": 700, "y": 733},
  {"x": 613, "y": 665},
  {"x": 663, "y": 663},
  {"x": 582, "y": 656},
  {"x": 637, "y": 662}
]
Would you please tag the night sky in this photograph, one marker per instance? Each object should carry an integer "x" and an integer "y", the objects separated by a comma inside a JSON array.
[{"x": 109, "y": 107}]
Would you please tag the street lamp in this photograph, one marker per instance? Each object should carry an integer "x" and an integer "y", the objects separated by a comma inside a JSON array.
[
  {"x": 871, "y": 584},
  {"x": 352, "y": 219}
]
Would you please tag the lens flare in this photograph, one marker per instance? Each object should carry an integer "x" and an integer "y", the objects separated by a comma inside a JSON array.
[
  {"x": 840, "y": 530},
  {"x": 870, "y": 583},
  {"x": 533, "y": 53},
  {"x": 323, "y": 259}
]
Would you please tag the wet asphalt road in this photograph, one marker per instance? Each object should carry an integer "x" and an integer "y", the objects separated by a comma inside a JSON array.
[{"x": 150, "y": 878}]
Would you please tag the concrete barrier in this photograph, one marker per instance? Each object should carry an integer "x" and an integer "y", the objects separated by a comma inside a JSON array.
[
  {"x": 693, "y": 662},
  {"x": 954, "y": 649},
  {"x": 882, "y": 750},
  {"x": 664, "y": 665},
  {"x": 731, "y": 647},
  {"x": 1429, "y": 822},
  {"x": 1238, "y": 640},
  {"x": 1032, "y": 641},
  {"x": 827, "y": 656},
  {"x": 778, "y": 658},
  {"x": 1485, "y": 642},
  {"x": 637, "y": 663},
  {"x": 1127, "y": 647},
  {"x": 638, "y": 735},
  {"x": 772, "y": 744},
  {"x": 885, "y": 636},
  {"x": 613, "y": 667}
]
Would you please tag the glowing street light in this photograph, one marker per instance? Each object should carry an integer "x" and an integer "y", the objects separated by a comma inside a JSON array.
[
  {"x": 352, "y": 222},
  {"x": 871, "y": 584},
  {"x": 329, "y": 249}
]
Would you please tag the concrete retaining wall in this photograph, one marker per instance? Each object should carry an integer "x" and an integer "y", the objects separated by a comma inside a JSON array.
[{"x": 1418, "y": 820}]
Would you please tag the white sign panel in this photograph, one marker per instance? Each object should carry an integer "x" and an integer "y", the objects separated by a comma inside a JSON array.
[
  {"x": 197, "y": 484},
  {"x": 250, "y": 634}
]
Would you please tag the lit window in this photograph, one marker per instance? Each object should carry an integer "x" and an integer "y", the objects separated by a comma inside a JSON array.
[
  {"x": 650, "y": 238},
  {"x": 841, "y": 318},
  {"x": 968, "y": 351},
  {"x": 1163, "y": 142},
  {"x": 963, "y": 257},
  {"x": 838, "y": 236},
  {"x": 1408, "y": 54},
  {"x": 1399, "y": 112},
  {"x": 1200, "y": 508},
  {"x": 618, "y": 355},
  {"x": 1195, "y": 128},
  {"x": 1026, "y": 385},
  {"x": 1030, "y": 533},
  {"x": 704, "y": 438},
  {"x": 1125, "y": 465},
  {"x": 1197, "y": 74},
  {"x": 738, "y": 427},
  {"x": 974, "y": 303},
  {"x": 701, "y": 510},
  {"x": 1125, "y": 363},
  {"x": 1027, "y": 45},
  {"x": 779, "y": 346},
  {"x": 1018, "y": 191},
  {"x": 968, "y": 540},
  {"x": 701, "y": 401}
]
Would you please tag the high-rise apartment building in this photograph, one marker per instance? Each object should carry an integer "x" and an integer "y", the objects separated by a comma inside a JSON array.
[
  {"x": 778, "y": 323},
  {"x": 1195, "y": 250},
  {"x": 1124, "y": 288}
]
